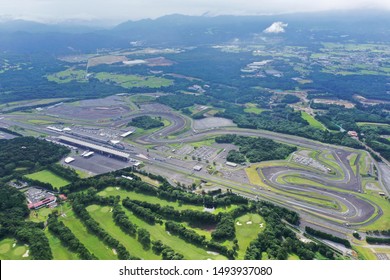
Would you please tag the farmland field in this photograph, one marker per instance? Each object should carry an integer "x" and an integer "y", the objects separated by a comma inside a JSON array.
[
  {"x": 68, "y": 76},
  {"x": 252, "y": 108},
  {"x": 131, "y": 81}
]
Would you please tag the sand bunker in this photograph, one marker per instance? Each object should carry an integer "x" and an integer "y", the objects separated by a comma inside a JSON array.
[{"x": 26, "y": 254}]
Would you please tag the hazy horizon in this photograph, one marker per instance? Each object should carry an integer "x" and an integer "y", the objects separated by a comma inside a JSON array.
[{"x": 116, "y": 11}]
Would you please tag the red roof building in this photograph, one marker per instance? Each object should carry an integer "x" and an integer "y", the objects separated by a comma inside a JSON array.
[{"x": 42, "y": 203}]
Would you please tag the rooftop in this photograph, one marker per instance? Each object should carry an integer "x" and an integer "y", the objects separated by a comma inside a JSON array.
[{"x": 94, "y": 146}]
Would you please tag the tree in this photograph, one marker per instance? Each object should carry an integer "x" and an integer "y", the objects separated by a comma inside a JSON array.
[{"x": 144, "y": 238}]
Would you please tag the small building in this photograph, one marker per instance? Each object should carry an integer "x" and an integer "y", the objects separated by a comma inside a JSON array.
[
  {"x": 63, "y": 197},
  {"x": 124, "y": 135},
  {"x": 54, "y": 128},
  {"x": 18, "y": 184},
  {"x": 127, "y": 177},
  {"x": 231, "y": 164},
  {"x": 88, "y": 154},
  {"x": 69, "y": 160},
  {"x": 353, "y": 133},
  {"x": 47, "y": 201},
  {"x": 137, "y": 164},
  {"x": 197, "y": 167}
]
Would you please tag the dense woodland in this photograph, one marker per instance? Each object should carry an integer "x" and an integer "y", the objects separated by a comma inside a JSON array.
[
  {"x": 146, "y": 122},
  {"x": 13, "y": 214},
  {"x": 336, "y": 117},
  {"x": 255, "y": 149},
  {"x": 286, "y": 120},
  {"x": 24, "y": 154},
  {"x": 278, "y": 240}
]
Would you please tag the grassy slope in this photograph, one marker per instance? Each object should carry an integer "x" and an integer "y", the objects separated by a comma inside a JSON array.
[
  {"x": 90, "y": 241},
  {"x": 59, "y": 251},
  {"x": 8, "y": 252},
  {"x": 312, "y": 121},
  {"x": 48, "y": 177},
  {"x": 151, "y": 199},
  {"x": 246, "y": 233},
  {"x": 104, "y": 217},
  {"x": 157, "y": 232}
]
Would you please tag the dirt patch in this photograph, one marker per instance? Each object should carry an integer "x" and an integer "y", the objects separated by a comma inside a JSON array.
[
  {"x": 107, "y": 59},
  {"x": 344, "y": 103},
  {"x": 158, "y": 61},
  {"x": 372, "y": 186}
]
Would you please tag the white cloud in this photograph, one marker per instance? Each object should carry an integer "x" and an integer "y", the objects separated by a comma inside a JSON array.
[{"x": 276, "y": 27}]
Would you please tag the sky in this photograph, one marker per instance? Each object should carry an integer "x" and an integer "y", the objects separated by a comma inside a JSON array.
[{"x": 116, "y": 11}]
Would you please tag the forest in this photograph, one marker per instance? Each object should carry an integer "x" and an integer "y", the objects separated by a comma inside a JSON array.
[
  {"x": 255, "y": 149},
  {"x": 13, "y": 214},
  {"x": 146, "y": 122},
  {"x": 286, "y": 120},
  {"x": 27, "y": 154}
]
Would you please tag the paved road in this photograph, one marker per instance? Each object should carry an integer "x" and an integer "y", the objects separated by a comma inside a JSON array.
[{"x": 357, "y": 210}]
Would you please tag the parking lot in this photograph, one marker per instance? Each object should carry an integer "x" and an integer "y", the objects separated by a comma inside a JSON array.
[
  {"x": 96, "y": 164},
  {"x": 205, "y": 152}
]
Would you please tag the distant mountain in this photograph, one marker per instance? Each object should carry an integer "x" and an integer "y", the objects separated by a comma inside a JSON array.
[
  {"x": 179, "y": 29},
  {"x": 36, "y": 27},
  {"x": 182, "y": 31}
]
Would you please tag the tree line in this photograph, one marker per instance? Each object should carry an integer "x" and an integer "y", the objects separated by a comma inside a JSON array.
[
  {"x": 169, "y": 213},
  {"x": 192, "y": 237},
  {"x": 377, "y": 240},
  {"x": 68, "y": 239},
  {"x": 277, "y": 240},
  {"x": 327, "y": 236},
  {"x": 165, "y": 191},
  {"x": 79, "y": 207}
]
